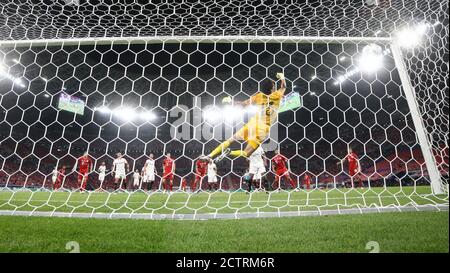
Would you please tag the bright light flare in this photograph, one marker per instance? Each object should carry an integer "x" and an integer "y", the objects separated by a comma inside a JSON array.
[
  {"x": 232, "y": 113},
  {"x": 371, "y": 59},
  {"x": 252, "y": 109},
  {"x": 149, "y": 116},
  {"x": 103, "y": 110},
  {"x": 212, "y": 114},
  {"x": 411, "y": 37},
  {"x": 228, "y": 113},
  {"x": 408, "y": 38},
  {"x": 126, "y": 113}
]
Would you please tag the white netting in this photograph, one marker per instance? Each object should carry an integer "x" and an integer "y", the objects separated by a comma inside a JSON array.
[{"x": 167, "y": 72}]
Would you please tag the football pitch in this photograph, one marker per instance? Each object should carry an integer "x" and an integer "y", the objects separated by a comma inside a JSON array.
[
  {"x": 215, "y": 202},
  {"x": 421, "y": 231},
  {"x": 393, "y": 232}
]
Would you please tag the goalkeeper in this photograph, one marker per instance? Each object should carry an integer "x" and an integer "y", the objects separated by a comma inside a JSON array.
[{"x": 256, "y": 130}]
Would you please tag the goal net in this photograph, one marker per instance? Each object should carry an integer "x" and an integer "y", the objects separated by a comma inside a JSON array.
[{"x": 91, "y": 90}]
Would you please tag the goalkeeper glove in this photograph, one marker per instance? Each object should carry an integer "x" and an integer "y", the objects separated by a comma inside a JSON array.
[{"x": 280, "y": 76}]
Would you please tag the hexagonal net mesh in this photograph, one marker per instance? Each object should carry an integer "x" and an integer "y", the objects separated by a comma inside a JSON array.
[{"x": 356, "y": 121}]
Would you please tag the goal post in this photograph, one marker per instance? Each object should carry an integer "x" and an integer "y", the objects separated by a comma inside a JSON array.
[
  {"x": 342, "y": 106},
  {"x": 95, "y": 95},
  {"x": 435, "y": 178}
]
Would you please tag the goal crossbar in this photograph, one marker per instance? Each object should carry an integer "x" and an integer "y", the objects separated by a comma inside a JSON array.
[{"x": 190, "y": 39}]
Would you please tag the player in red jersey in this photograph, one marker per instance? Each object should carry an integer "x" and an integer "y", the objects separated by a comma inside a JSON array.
[
  {"x": 307, "y": 180},
  {"x": 279, "y": 167},
  {"x": 354, "y": 169},
  {"x": 201, "y": 167},
  {"x": 84, "y": 165},
  {"x": 168, "y": 170},
  {"x": 60, "y": 177}
]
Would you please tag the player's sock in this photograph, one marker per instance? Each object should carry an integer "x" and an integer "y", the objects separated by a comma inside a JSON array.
[
  {"x": 194, "y": 185},
  {"x": 219, "y": 149},
  {"x": 291, "y": 181},
  {"x": 238, "y": 153}
]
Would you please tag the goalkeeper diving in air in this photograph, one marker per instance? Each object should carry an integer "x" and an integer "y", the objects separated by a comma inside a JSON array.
[{"x": 268, "y": 99}]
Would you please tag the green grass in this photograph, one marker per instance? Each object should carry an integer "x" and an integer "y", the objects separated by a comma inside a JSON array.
[
  {"x": 218, "y": 202},
  {"x": 395, "y": 232}
]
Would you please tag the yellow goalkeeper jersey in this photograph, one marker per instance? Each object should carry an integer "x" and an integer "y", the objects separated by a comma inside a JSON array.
[{"x": 269, "y": 105}]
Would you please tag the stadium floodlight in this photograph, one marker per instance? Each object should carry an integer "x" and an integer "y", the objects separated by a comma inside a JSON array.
[
  {"x": 125, "y": 113},
  {"x": 411, "y": 37},
  {"x": 371, "y": 59},
  {"x": 408, "y": 38},
  {"x": 4, "y": 74}
]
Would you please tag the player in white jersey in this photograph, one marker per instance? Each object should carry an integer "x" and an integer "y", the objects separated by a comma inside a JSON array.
[
  {"x": 101, "y": 174},
  {"x": 136, "y": 180},
  {"x": 212, "y": 174},
  {"x": 149, "y": 172},
  {"x": 55, "y": 175},
  {"x": 257, "y": 166},
  {"x": 120, "y": 170}
]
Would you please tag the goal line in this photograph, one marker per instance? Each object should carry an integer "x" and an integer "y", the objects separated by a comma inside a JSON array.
[{"x": 238, "y": 215}]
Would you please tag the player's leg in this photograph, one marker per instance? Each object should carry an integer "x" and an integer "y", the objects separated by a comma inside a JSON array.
[
  {"x": 277, "y": 182},
  {"x": 84, "y": 182},
  {"x": 56, "y": 184},
  {"x": 196, "y": 180},
  {"x": 117, "y": 183},
  {"x": 222, "y": 147},
  {"x": 360, "y": 180},
  {"x": 201, "y": 181},
  {"x": 80, "y": 181},
  {"x": 259, "y": 176},
  {"x": 251, "y": 146},
  {"x": 100, "y": 187},
  {"x": 288, "y": 177},
  {"x": 171, "y": 182},
  {"x": 243, "y": 134},
  {"x": 262, "y": 182},
  {"x": 249, "y": 183},
  {"x": 162, "y": 185},
  {"x": 123, "y": 183}
]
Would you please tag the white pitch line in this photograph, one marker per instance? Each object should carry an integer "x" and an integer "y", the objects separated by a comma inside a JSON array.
[{"x": 210, "y": 216}]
